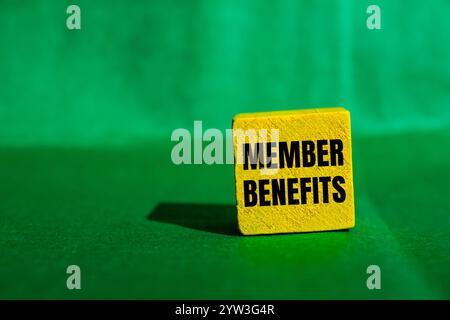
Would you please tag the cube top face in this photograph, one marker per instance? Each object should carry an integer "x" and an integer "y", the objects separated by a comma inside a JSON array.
[{"x": 293, "y": 171}]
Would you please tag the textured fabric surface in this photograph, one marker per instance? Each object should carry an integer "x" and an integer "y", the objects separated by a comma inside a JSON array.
[
  {"x": 142, "y": 69},
  {"x": 85, "y": 124}
]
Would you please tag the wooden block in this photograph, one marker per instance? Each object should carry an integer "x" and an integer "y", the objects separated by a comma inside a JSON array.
[{"x": 293, "y": 171}]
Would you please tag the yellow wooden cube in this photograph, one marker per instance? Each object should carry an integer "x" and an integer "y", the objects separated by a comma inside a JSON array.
[{"x": 293, "y": 171}]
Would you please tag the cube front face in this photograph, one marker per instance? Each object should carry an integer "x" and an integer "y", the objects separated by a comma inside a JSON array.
[{"x": 293, "y": 171}]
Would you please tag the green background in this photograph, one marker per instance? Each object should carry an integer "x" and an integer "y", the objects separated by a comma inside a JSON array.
[{"x": 85, "y": 124}]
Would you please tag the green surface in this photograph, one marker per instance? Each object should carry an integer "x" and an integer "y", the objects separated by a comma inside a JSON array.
[
  {"x": 137, "y": 234},
  {"x": 85, "y": 124}
]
